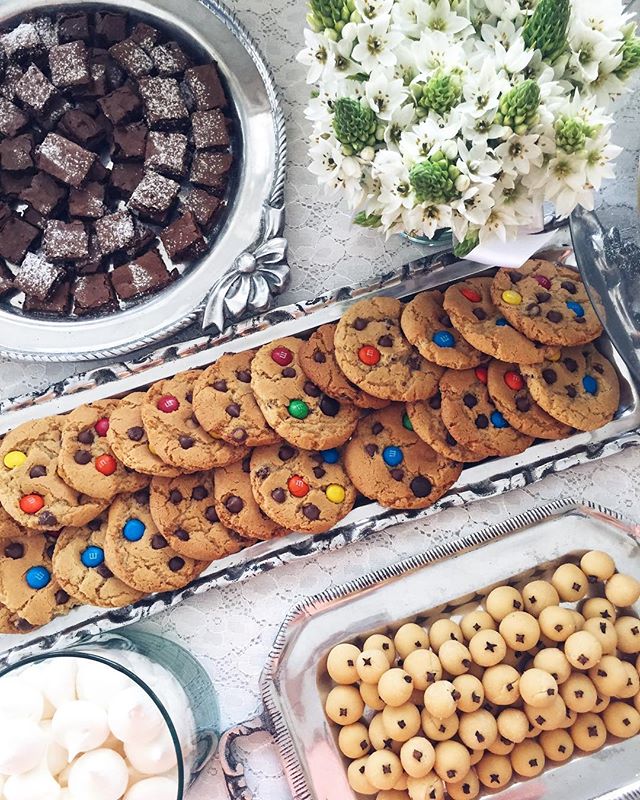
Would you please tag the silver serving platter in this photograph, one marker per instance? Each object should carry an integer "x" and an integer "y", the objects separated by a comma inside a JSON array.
[
  {"x": 477, "y": 482},
  {"x": 450, "y": 579},
  {"x": 247, "y": 265}
]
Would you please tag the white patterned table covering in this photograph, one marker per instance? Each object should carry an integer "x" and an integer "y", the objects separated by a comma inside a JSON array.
[{"x": 231, "y": 630}]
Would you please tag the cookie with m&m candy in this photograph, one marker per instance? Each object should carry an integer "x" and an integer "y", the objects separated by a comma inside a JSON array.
[{"x": 425, "y": 418}]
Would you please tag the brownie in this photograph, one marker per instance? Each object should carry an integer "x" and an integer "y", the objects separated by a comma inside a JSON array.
[
  {"x": 146, "y": 274},
  {"x": 34, "y": 218},
  {"x": 87, "y": 202},
  {"x": 204, "y": 207},
  {"x": 130, "y": 142},
  {"x": 206, "y": 88},
  {"x": 38, "y": 277},
  {"x": 92, "y": 293},
  {"x": 183, "y": 239},
  {"x": 12, "y": 119},
  {"x": 93, "y": 262},
  {"x": 23, "y": 43},
  {"x": 110, "y": 28},
  {"x": 17, "y": 154},
  {"x": 115, "y": 232},
  {"x": 44, "y": 194},
  {"x": 122, "y": 105},
  {"x": 5, "y": 213},
  {"x": 98, "y": 172},
  {"x": 64, "y": 159},
  {"x": 69, "y": 65},
  {"x": 65, "y": 241},
  {"x": 163, "y": 103},
  {"x": 35, "y": 91},
  {"x": 81, "y": 128},
  {"x": 133, "y": 59},
  {"x": 210, "y": 129},
  {"x": 125, "y": 178},
  {"x": 167, "y": 153},
  {"x": 73, "y": 26},
  {"x": 7, "y": 284},
  {"x": 12, "y": 184},
  {"x": 16, "y": 237},
  {"x": 55, "y": 112},
  {"x": 114, "y": 75},
  {"x": 145, "y": 35},
  {"x": 170, "y": 60},
  {"x": 208, "y": 168},
  {"x": 154, "y": 197},
  {"x": 3, "y": 63},
  {"x": 47, "y": 31},
  {"x": 58, "y": 303}
]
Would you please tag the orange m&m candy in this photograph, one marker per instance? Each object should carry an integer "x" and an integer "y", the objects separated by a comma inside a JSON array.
[
  {"x": 106, "y": 464},
  {"x": 297, "y": 486},
  {"x": 369, "y": 355},
  {"x": 31, "y": 503},
  {"x": 481, "y": 373},
  {"x": 471, "y": 295}
]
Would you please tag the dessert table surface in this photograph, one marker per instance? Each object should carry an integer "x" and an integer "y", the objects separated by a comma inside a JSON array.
[{"x": 231, "y": 630}]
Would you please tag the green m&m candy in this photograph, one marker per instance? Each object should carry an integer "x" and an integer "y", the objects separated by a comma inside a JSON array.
[
  {"x": 407, "y": 422},
  {"x": 298, "y": 409}
]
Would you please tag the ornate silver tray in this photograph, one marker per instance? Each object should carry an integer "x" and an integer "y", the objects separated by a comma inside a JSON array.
[
  {"x": 247, "y": 265},
  {"x": 448, "y": 579},
  {"x": 477, "y": 482}
]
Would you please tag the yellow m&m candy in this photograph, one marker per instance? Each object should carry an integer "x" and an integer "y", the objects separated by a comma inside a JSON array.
[
  {"x": 13, "y": 459},
  {"x": 512, "y": 297},
  {"x": 335, "y": 493}
]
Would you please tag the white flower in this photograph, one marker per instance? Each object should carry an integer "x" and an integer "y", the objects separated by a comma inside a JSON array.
[
  {"x": 438, "y": 16},
  {"x": 376, "y": 44},
  {"x": 473, "y": 208},
  {"x": 504, "y": 32},
  {"x": 514, "y": 58},
  {"x": 426, "y": 220},
  {"x": 600, "y": 154},
  {"x": 326, "y": 161},
  {"x": 383, "y": 95},
  {"x": 436, "y": 50},
  {"x": 588, "y": 48},
  {"x": 604, "y": 16},
  {"x": 424, "y": 138},
  {"x": 395, "y": 188},
  {"x": 315, "y": 55},
  {"x": 370, "y": 9},
  {"x": 482, "y": 90},
  {"x": 504, "y": 9},
  {"x": 477, "y": 162},
  {"x": 514, "y": 197},
  {"x": 565, "y": 182},
  {"x": 500, "y": 224},
  {"x": 520, "y": 153},
  {"x": 400, "y": 120}
]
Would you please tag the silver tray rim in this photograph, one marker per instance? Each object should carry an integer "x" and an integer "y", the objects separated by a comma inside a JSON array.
[
  {"x": 254, "y": 221},
  {"x": 483, "y": 481}
]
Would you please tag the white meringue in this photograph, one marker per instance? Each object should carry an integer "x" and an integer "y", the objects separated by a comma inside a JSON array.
[
  {"x": 98, "y": 683},
  {"x": 57, "y": 756},
  {"x": 22, "y": 746},
  {"x": 153, "y": 789},
  {"x": 98, "y": 775},
  {"x": 20, "y": 700},
  {"x": 133, "y": 715},
  {"x": 154, "y": 757},
  {"x": 79, "y": 726},
  {"x": 59, "y": 680},
  {"x": 37, "y": 784}
]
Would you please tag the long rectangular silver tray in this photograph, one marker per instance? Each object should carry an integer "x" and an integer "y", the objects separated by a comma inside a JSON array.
[
  {"x": 449, "y": 579},
  {"x": 480, "y": 481}
]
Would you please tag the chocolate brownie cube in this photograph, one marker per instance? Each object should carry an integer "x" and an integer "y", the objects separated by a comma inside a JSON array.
[
  {"x": 16, "y": 237},
  {"x": 64, "y": 159},
  {"x": 145, "y": 275},
  {"x": 210, "y": 129},
  {"x": 12, "y": 76},
  {"x": 206, "y": 88},
  {"x": 35, "y": 91},
  {"x": 92, "y": 293},
  {"x": 65, "y": 241},
  {"x": 87, "y": 202},
  {"x": 154, "y": 197},
  {"x": 110, "y": 28},
  {"x": 99, "y": 172},
  {"x": 115, "y": 232},
  {"x": 167, "y": 153},
  {"x": 125, "y": 177},
  {"x": 43, "y": 194},
  {"x": 17, "y": 154},
  {"x": 23, "y": 43},
  {"x": 94, "y": 262},
  {"x": 145, "y": 35},
  {"x": 204, "y": 207},
  {"x": 34, "y": 218},
  {"x": 81, "y": 128},
  {"x": 13, "y": 183},
  {"x": 133, "y": 59},
  {"x": 12, "y": 119},
  {"x": 130, "y": 142},
  {"x": 5, "y": 213},
  {"x": 47, "y": 31},
  {"x": 209, "y": 168},
  {"x": 183, "y": 239},
  {"x": 73, "y": 26},
  {"x": 122, "y": 105},
  {"x": 38, "y": 277},
  {"x": 57, "y": 304},
  {"x": 56, "y": 111},
  {"x": 114, "y": 74},
  {"x": 7, "y": 284},
  {"x": 69, "y": 65},
  {"x": 163, "y": 103},
  {"x": 170, "y": 60}
]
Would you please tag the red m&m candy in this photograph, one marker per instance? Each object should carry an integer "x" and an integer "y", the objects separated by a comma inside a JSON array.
[
  {"x": 168, "y": 403},
  {"x": 369, "y": 355},
  {"x": 481, "y": 374},
  {"x": 282, "y": 356},
  {"x": 543, "y": 281},
  {"x": 471, "y": 295},
  {"x": 297, "y": 486},
  {"x": 106, "y": 464},
  {"x": 31, "y": 503},
  {"x": 513, "y": 380},
  {"x": 102, "y": 426}
]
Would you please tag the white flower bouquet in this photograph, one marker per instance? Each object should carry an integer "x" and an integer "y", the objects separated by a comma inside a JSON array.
[{"x": 465, "y": 114}]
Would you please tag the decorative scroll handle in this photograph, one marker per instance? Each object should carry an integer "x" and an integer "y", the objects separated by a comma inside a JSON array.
[{"x": 232, "y": 767}]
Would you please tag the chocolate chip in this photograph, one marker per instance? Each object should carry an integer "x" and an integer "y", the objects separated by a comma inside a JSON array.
[
  {"x": 243, "y": 375},
  {"x": 95, "y": 524},
  {"x": 523, "y": 404},
  {"x": 371, "y": 449},
  {"x": 397, "y": 474},
  {"x": 550, "y": 376},
  {"x": 48, "y": 519},
  {"x": 211, "y": 515},
  {"x": 82, "y": 457},
  {"x": 286, "y": 452},
  {"x": 233, "y": 410},
  {"x": 450, "y": 440},
  {"x": 515, "y": 277},
  {"x": 319, "y": 472},
  {"x": 189, "y": 397},
  {"x": 386, "y": 341},
  {"x": 234, "y": 504},
  {"x": 482, "y": 422},
  {"x": 136, "y": 433},
  {"x": 554, "y": 316},
  {"x": 278, "y": 495},
  {"x": 319, "y": 357},
  {"x": 264, "y": 472},
  {"x": 246, "y": 464},
  {"x": 104, "y": 571},
  {"x": 329, "y": 406},
  {"x": 86, "y": 437},
  {"x": 436, "y": 401},
  {"x": 570, "y": 364},
  {"x": 598, "y": 368},
  {"x": 176, "y": 564},
  {"x": 220, "y": 386},
  {"x": 572, "y": 392},
  {"x": 470, "y": 400},
  {"x": 181, "y": 534},
  {"x": 479, "y": 314},
  {"x": 377, "y": 428},
  {"x": 186, "y": 442},
  {"x": 421, "y": 486},
  {"x": 289, "y": 372},
  {"x": 311, "y": 389},
  {"x": 445, "y": 321},
  {"x": 37, "y": 471},
  {"x": 569, "y": 286},
  {"x": 360, "y": 324},
  {"x": 543, "y": 297},
  {"x": 14, "y": 550},
  {"x": 175, "y": 496},
  {"x": 158, "y": 542},
  {"x": 580, "y": 320},
  {"x": 533, "y": 310},
  {"x": 239, "y": 435},
  {"x": 311, "y": 512},
  {"x": 61, "y": 597},
  {"x": 414, "y": 362}
]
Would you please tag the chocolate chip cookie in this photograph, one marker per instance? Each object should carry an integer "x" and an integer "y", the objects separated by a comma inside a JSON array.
[
  {"x": 86, "y": 460},
  {"x": 31, "y": 490},
  {"x": 236, "y": 505},
  {"x": 184, "y": 511},
  {"x": 225, "y": 405},
  {"x": 473, "y": 419},
  {"x": 581, "y": 389},
  {"x": 11, "y": 623},
  {"x": 318, "y": 362},
  {"x": 428, "y": 327},
  {"x": 508, "y": 390},
  {"x": 139, "y": 554},
  {"x": 373, "y": 353},
  {"x": 299, "y": 489},
  {"x": 546, "y": 302},
  {"x": 391, "y": 464},
  {"x": 28, "y": 587},
  {"x": 293, "y": 405},
  {"x": 80, "y": 568},
  {"x": 9, "y": 527},
  {"x": 425, "y": 418},
  {"x": 175, "y": 435},
  {"x": 484, "y": 326},
  {"x": 129, "y": 441}
]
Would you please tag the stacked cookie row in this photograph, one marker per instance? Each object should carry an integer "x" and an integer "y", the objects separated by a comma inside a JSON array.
[{"x": 388, "y": 403}]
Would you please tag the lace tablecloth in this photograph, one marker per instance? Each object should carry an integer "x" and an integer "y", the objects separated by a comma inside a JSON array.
[{"x": 231, "y": 630}]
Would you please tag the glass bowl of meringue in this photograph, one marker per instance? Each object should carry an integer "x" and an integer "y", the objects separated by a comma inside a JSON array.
[{"x": 125, "y": 717}]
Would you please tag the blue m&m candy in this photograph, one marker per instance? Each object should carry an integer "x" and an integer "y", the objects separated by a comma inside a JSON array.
[
  {"x": 501, "y": 322},
  {"x": 443, "y": 339},
  {"x": 331, "y": 456},
  {"x": 498, "y": 421},
  {"x": 37, "y": 577},
  {"x": 577, "y": 309},
  {"x": 392, "y": 456},
  {"x": 590, "y": 384},
  {"x": 92, "y": 557},
  {"x": 133, "y": 530}
]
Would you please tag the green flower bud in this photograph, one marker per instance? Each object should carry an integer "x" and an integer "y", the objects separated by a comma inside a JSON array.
[
  {"x": 440, "y": 93},
  {"x": 432, "y": 181},
  {"x": 469, "y": 243},
  {"x": 572, "y": 134},
  {"x": 546, "y": 28},
  {"x": 330, "y": 16},
  {"x": 367, "y": 220},
  {"x": 354, "y": 124},
  {"x": 518, "y": 108},
  {"x": 630, "y": 57}
]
